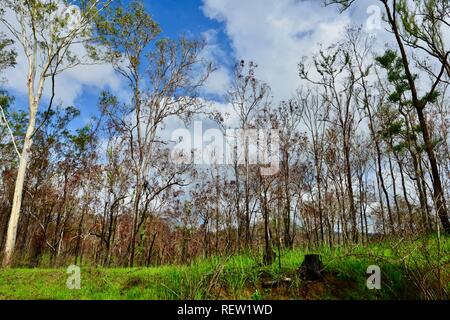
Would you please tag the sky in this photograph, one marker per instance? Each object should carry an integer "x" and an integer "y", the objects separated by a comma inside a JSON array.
[{"x": 274, "y": 34}]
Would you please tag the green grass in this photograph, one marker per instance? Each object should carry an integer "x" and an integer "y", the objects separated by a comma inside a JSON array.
[{"x": 239, "y": 277}]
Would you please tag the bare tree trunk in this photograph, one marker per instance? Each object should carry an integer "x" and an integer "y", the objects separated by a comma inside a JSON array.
[
  {"x": 427, "y": 215},
  {"x": 237, "y": 202},
  {"x": 380, "y": 197},
  {"x": 394, "y": 187},
  {"x": 438, "y": 193},
  {"x": 287, "y": 210},
  {"x": 419, "y": 177},
  {"x": 348, "y": 174},
  {"x": 18, "y": 191},
  {"x": 150, "y": 250},
  {"x": 134, "y": 224},
  {"x": 247, "y": 200},
  {"x": 217, "y": 218},
  {"x": 79, "y": 244},
  {"x": 405, "y": 193},
  {"x": 318, "y": 167}
]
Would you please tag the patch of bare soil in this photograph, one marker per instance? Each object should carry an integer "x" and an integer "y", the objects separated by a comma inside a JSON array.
[
  {"x": 329, "y": 286},
  {"x": 290, "y": 286}
]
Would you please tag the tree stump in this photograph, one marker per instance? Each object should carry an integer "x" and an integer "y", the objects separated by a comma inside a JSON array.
[
  {"x": 269, "y": 257},
  {"x": 311, "y": 268}
]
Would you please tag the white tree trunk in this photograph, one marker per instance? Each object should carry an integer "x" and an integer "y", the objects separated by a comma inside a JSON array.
[{"x": 18, "y": 191}]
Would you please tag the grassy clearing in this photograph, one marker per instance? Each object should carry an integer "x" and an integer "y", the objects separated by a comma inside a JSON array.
[{"x": 409, "y": 271}]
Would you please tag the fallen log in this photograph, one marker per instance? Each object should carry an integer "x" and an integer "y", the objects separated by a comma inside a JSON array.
[{"x": 276, "y": 283}]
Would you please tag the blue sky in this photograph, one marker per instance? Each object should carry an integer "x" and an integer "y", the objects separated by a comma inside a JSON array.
[
  {"x": 180, "y": 17},
  {"x": 175, "y": 18},
  {"x": 274, "y": 34}
]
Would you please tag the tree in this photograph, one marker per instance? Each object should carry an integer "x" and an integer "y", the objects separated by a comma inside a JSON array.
[
  {"x": 421, "y": 26},
  {"x": 8, "y": 149},
  {"x": 46, "y": 32},
  {"x": 248, "y": 96},
  {"x": 161, "y": 76},
  {"x": 7, "y": 60},
  {"x": 338, "y": 84}
]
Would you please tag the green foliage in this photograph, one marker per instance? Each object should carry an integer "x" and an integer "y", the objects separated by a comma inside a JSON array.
[
  {"x": 5, "y": 100},
  {"x": 393, "y": 128},
  {"x": 257, "y": 295},
  {"x": 396, "y": 76},
  {"x": 7, "y": 54},
  {"x": 399, "y": 101},
  {"x": 81, "y": 138},
  {"x": 400, "y": 147},
  {"x": 239, "y": 276},
  {"x": 126, "y": 32},
  {"x": 408, "y": 18}
]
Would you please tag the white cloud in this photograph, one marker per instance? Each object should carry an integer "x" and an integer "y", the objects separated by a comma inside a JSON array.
[
  {"x": 70, "y": 84},
  {"x": 277, "y": 34},
  {"x": 219, "y": 81}
]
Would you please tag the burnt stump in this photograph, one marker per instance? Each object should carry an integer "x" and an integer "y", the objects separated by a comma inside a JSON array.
[{"x": 312, "y": 267}]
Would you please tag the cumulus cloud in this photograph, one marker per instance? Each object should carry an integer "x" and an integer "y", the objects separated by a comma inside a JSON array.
[
  {"x": 277, "y": 34},
  {"x": 219, "y": 81}
]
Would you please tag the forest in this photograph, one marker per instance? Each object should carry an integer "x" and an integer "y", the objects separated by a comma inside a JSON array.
[{"x": 359, "y": 158}]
